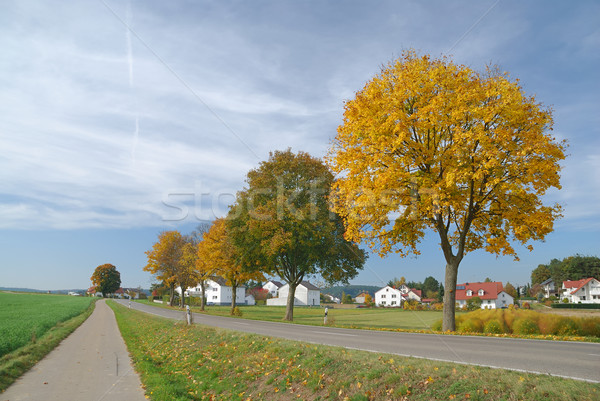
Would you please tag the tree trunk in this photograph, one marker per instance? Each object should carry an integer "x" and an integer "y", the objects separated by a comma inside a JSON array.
[
  {"x": 182, "y": 300},
  {"x": 448, "y": 322},
  {"x": 289, "y": 309},
  {"x": 233, "y": 297},
  {"x": 172, "y": 294},
  {"x": 203, "y": 287}
]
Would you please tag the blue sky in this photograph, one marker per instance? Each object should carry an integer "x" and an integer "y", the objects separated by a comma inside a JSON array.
[{"x": 109, "y": 135}]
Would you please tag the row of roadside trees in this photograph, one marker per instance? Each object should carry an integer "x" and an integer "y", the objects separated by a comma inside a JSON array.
[
  {"x": 280, "y": 225},
  {"x": 426, "y": 145}
]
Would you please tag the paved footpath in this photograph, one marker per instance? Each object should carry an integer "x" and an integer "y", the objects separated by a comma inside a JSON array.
[{"x": 92, "y": 364}]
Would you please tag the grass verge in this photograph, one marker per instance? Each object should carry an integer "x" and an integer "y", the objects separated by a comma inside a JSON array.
[
  {"x": 19, "y": 361},
  {"x": 355, "y": 318},
  {"x": 180, "y": 362}
]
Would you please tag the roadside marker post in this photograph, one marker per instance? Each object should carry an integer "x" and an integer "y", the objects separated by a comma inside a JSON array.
[{"x": 188, "y": 314}]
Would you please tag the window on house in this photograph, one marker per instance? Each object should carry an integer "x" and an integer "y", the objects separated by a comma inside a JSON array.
[
  {"x": 393, "y": 295},
  {"x": 382, "y": 302},
  {"x": 583, "y": 298},
  {"x": 469, "y": 293},
  {"x": 480, "y": 292},
  {"x": 215, "y": 297},
  {"x": 383, "y": 296},
  {"x": 393, "y": 302}
]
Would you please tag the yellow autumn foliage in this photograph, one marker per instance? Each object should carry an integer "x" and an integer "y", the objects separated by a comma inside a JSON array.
[{"x": 429, "y": 144}]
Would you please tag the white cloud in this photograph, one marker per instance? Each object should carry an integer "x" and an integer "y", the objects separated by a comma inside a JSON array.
[{"x": 97, "y": 130}]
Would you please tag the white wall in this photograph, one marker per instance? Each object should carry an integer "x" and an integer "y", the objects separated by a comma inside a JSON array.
[
  {"x": 302, "y": 297},
  {"x": 388, "y": 296},
  {"x": 503, "y": 300}
]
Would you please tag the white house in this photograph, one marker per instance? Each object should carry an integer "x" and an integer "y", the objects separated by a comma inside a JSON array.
[
  {"x": 331, "y": 298},
  {"x": 585, "y": 291},
  {"x": 388, "y": 296},
  {"x": 250, "y": 300},
  {"x": 273, "y": 287},
  {"x": 549, "y": 288},
  {"x": 306, "y": 295},
  {"x": 492, "y": 295},
  {"x": 360, "y": 298},
  {"x": 217, "y": 292}
]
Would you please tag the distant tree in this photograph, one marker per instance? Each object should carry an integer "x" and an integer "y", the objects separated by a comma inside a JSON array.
[
  {"x": 579, "y": 267},
  {"x": 107, "y": 279},
  {"x": 164, "y": 259},
  {"x": 474, "y": 303},
  {"x": 540, "y": 274},
  {"x": 158, "y": 289},
  {"x": 224, "y": 257},
  {"x": 187, "y": 275},
  {"x": 368, "y": 300},
  {"x": 535, "y": 290},
  {"x": 487, "y": 280},
  {"x": 574, "y": 267},
  {"x": 347, "y": 299},
  {"x": 430, "y": 284},
  {"x": 510, "y": 290},
  {"x": 442, "y": 147},
  {"x": 414, "y": 284},
  {"x": 397, "y": 282},
  {"x": 282, "y": 225}
]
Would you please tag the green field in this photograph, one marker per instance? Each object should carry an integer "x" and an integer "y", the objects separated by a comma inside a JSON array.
[
  {"x": 27, "y": 316},
  {"x": 180, "y": 362},
  {"x": 362, "y": 318}
]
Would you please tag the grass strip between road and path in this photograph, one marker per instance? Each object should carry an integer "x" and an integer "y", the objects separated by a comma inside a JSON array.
[
  {"x": 394, "y": 319},
  {"x": 19, "y": 361},
  {"x": 181, "y": 362},
  {"x": 538, "y": 326}
]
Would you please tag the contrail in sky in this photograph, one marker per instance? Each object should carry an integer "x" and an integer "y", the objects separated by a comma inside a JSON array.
[{"x": 130, "y": 62}]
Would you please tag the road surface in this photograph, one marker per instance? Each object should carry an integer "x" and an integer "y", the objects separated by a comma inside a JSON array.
[
  {"x": 575, "y": 360},
  {"x": 91, "y": 364}
]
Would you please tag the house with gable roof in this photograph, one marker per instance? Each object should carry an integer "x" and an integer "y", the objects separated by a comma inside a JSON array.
[
  {"x": 390, "y": 296},
  {"x": 492, "y": 295},
  {"x": 585, "y": 291},
  {"x": 217, "y": 292},
  {"x": 306, "y": 295},
  {"x": 273, "y": 287}
]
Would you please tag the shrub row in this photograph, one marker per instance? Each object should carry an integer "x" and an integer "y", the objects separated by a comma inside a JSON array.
[
  {"x": 575, "y": 306},
  {"x": 524, "y": 322}
]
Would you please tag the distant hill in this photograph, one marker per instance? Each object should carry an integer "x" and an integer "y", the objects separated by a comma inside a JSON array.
[
  {"x": 353, "y": 290},
  {"x": 79, "y": 290},
  {"x": 20, "y": 289}
]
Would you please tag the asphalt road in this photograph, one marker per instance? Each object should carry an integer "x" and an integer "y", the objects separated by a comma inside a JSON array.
[{"x": 573, "y": 360}]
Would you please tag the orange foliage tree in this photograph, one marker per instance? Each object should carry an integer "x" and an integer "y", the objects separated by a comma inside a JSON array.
[
  {"x": 429, "y": 144},
  {"x": 217, "y": 254},
  {"x": 165, "y": 260},
  {"x": 107, "y": 279}
]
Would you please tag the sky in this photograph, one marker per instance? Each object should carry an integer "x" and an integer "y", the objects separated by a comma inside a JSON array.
[{"x": 123, "y": 119}]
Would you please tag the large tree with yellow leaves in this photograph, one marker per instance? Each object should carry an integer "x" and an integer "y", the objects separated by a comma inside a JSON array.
[{"x": 429, "y": 144}]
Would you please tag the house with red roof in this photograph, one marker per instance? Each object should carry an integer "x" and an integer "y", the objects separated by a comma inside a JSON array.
[
  {"x": 585, "y": 291},
  {"x": 492, "y": 295}
]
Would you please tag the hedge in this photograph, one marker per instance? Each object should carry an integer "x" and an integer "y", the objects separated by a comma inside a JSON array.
[{"x": 575, "y": 306}]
